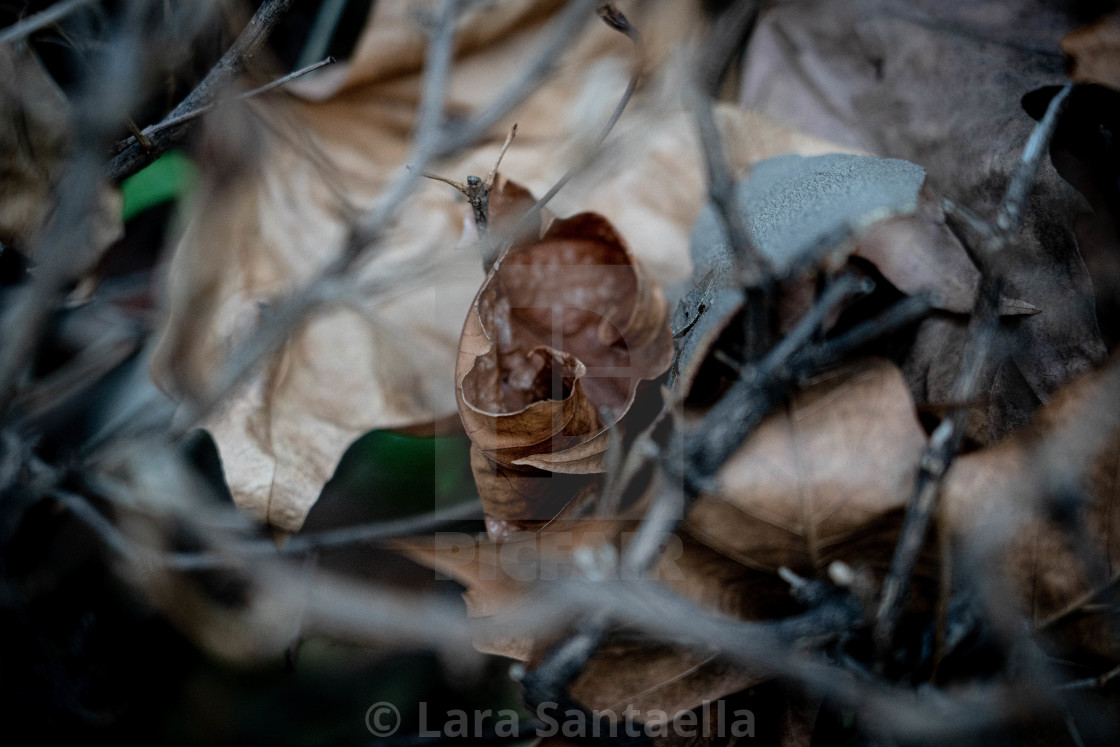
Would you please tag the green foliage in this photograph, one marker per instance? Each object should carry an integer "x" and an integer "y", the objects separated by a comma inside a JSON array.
[{"x": 171, "y": 177}]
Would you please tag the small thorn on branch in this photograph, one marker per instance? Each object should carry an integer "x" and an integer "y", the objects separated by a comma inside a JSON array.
[
  {"x": 144, "y": 137},
  {"x": 477, "y": 192}
]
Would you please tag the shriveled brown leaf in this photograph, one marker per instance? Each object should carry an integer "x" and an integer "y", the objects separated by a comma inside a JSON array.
[
  {"x": 918, "y": 253},
  {"x": 35, "y": 140},
  {"x": 1093, "y": 52},
  {"x": 823, "y": 481},
  {"x": 553, "y": 350}
]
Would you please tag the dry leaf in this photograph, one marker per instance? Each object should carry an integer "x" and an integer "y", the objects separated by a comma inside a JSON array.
[
  {"x": 553, "y": 350},
  {"x": 500, "y": 574},
  {"x": 823, "y": 481},
  {"x": 1002, "y": 499},
  {"x": 389, "y": 361},
  {"x": 803, "y": 213}
]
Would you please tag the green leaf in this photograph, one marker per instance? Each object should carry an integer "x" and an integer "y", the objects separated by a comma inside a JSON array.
[{"x": 170, "y": 177}]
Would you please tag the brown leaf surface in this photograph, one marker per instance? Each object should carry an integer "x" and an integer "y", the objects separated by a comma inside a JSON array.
[
  {"x": 819, "y": 482},
  {"x": 553, "y": 350},
  {"x": 1000, "y": 500},
  {"x": 500, "y": 575}
]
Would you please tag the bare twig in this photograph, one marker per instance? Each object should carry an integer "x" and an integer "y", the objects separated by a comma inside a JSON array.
[
  {"x": 91, "y": 517},
  {"x": 62, "y": 249},
  {"x": 28, "y": 26},
  {"x": 946, "y": 439},
  {"x": 619, "y": 22},
  {"x": 135, "y": 156},
  {"x": 146, "y": 134},
  {"x": 532, "y": 74},
  {"x": 753, "y": 269},
  {"x": 322, "y": 31},
  {"x": 477, "y": 192},
  {"x": 236, "y": 554},
  {"x": 757, "y": 391}
]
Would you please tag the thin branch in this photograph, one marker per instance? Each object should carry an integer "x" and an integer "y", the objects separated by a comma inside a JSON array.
[
  {"x": 166, "y": 124},
  {"x": 617, "y": 21},
  {"x": 248, "y": 43},
  {"x": 63, "y": 247},
  {"x": 573, "y": 19},
  {"x": 113, "y": 538},
  {"x": 322, "y": 31},
  {"x": 489, "y": 181},
  {"x": 754, "y": 270},
  {"x": 946, "y": 439},
  {"x": 22, "y": 29},
  {"x": 478, "y": 191},
  {"x": 758, "y": 390},
  {"x": 237, "y": 554},
  {"x": 1010, "y": 215}
]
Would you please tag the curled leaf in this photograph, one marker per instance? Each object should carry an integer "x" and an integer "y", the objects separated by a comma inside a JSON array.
[{"x": 552, "y": 353}]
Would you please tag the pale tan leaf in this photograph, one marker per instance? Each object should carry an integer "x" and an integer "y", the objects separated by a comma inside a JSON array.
[{"x": 391, "y": 363}]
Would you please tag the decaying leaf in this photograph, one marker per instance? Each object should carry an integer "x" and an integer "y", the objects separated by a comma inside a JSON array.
[
  {"x": 822, "y": 481},
  {"x": 553, "y": 350},
  {"x": 500, "y": 575},
  {"x": 36, "y": 133}
]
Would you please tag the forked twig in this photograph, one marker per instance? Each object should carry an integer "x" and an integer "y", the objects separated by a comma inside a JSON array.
[
  {"x": 135, "y": 156},
  {"x": 477, "y": 192},
  {"x": 144, "y": 136},
  {"x": 946, "y": 439}
]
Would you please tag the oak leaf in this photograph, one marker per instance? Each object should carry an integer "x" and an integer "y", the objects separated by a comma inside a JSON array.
[
  {"x": 262, "y": 229},
  {"x": 1043, "y": 505}
]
